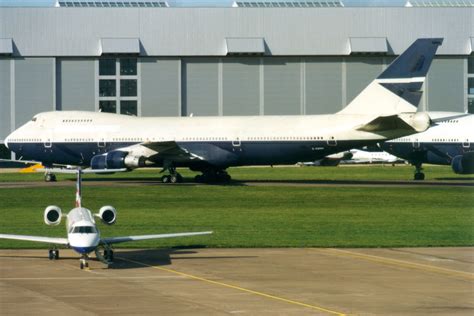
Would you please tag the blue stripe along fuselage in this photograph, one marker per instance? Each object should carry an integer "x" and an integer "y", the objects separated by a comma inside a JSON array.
[{"x": 245, "y": 153}]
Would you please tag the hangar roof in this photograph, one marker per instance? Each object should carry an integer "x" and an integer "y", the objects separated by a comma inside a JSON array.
[{"x": 181, "y": 31}]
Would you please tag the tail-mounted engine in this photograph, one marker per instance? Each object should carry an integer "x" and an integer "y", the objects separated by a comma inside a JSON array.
[
  {"x": 107, "y": 214},
  {"x": 463, "y": 164},
  {"x": 52, "y": 215},
  {"x": 117, "y": 160}
]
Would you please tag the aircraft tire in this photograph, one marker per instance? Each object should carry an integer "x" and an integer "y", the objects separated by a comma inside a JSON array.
[
  {"x": 50, "y": 255},
  {"x": 173, "y": 179},
  {"x": 419, "y": 176},
  {"x": 81, "y": 265},
  {"x": 56, "y": 254},
  {"x": 165, "y": 179}
]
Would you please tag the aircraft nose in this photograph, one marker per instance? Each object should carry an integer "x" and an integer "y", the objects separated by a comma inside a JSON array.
[{"x": 7, "y": 140}]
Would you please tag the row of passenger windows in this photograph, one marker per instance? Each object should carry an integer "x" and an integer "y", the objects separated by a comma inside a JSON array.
[
  {"x": 78, "y": 140},
  {"x": 444, "y": 140},
  {"x": 24, "y": 140},
  {"x": 78, "y": 121},
  {"x": 450, "y": 121}
]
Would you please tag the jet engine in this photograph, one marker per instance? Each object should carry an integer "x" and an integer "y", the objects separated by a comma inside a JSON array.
[
  {"x": 117, "y": 160},
  {"x": 107, "y": 214},
  {"x": 52, "y": 215},
  {"x": 463, "y": 164}
]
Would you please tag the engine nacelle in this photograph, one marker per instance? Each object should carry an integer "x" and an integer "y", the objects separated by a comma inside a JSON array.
[
  {"x": 117, "y": 160},
  {"x": 463, "y": 164},
  {"x": 107, "y": 214},
  {"x": 52, "y": 215}
]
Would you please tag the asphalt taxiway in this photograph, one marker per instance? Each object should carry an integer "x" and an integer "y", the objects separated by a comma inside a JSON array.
[{"x": 321, "y": 281}]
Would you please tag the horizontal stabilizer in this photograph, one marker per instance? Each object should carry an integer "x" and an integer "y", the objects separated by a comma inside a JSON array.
[
  {"x": 115, "y": 240},
  {"x": 49, "y": 240},
  {"x": 384, "y": 123}
]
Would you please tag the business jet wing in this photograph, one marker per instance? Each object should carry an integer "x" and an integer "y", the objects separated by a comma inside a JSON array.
[
  {"x": 49, "y": 240},
  {"x": 115, "y": 240}
]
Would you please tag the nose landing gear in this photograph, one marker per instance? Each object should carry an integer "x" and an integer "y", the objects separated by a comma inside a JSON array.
[{"x": 84, "y": 261}]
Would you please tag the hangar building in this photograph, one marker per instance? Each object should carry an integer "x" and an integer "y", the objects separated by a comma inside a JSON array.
[{"x": 153, "y": 58}]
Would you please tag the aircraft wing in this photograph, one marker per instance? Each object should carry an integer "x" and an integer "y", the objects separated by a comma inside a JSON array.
[
  {"x": 170, "y": 150},
  {"x": 115, "y": 240},
  {"x": 49, "y": 240}
]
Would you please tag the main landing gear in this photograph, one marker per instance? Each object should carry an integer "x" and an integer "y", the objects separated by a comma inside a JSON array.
[
  {"x": 105, "y": 254},
  {"x": 53, "y": 254},
  {"x": 213, "y": 176},
  {"x": 173, "y": 177},
  {"x": 49, "y": 177},
  {"x": 419, "y": 175}
]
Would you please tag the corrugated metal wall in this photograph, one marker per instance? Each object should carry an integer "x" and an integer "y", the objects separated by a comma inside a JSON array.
[
  {"x": 160, "y": 86},
  {"x": 323, "y": 76},
  {"x": 360, "y": 71},
  {"x": 282, "y": 86},
  {"x": 445, "y": 85},
  {"x": 241, "y": 86},
  {"x": 34, "y": 87},
  {"x": 76, "y": 84},
  {"x": 5, "y": 86},
  {"x": 200, "y": 86}
]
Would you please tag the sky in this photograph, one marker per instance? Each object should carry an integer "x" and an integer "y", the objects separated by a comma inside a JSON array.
[{"x": 225, "y": 3}]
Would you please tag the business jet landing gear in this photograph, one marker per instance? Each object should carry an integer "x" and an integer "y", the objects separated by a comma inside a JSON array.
[
  {"x": 84, "y": 261},
  {"x": 419, "y": 175},
  {"x": 53, "y": 254},
  {"x": 173, "y": 177},
  {"x": 213, "y": 176},
  {"x": 105, "y": 254},
  {"x": 49, "y": 177}
]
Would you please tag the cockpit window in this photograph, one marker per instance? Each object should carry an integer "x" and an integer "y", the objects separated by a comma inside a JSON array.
[
  {"x": 33, "y": 119},
  {"x": 84, "y": 230}
]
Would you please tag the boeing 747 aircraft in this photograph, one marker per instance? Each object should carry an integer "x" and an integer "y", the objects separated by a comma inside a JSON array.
[
  {"x": 385, "y": 109},
  {"x": 83, "y": 236},
  {"x": 447, "y": 142}
]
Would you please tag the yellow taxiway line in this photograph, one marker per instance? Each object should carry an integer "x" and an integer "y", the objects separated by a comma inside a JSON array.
[
  {"x": 399, "y": 263},
  {"x": 314, "y": 307}
]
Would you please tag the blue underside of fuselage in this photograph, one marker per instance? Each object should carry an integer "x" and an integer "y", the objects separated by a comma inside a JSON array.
[
  {"x": 434, "y": 153},
  {"x": 222, "y": 154},
  {"x": 83, "y": 250}
]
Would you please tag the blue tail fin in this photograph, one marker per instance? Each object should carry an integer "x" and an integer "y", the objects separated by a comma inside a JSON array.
[
  {"x": 406, "y": 74},
  {"x": 398, "y": 88}
]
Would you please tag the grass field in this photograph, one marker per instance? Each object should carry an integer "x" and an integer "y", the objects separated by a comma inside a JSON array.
[{"x": 261, "y": 216}]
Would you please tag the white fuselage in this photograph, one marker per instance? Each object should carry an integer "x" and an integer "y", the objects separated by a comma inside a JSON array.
[
  {"x": 76, "y": 137},
  {"x": 449, "y": 128},
  {"x": 82, "y": 232}
]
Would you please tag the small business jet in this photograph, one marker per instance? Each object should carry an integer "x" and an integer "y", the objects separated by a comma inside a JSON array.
[
  {"x": 83, "y": 236},
  {"x": 447, "y": 142},
  {"x": 385, "y": 109},
  {"x": 360, "y": 156}
]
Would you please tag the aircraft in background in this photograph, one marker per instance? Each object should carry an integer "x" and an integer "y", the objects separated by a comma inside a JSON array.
[
  {"x": 447, "y": 142},
  {"x": 385, "y": 109},
  {"x": 360, "y": 156},
  {"x": 83, "y": 236}
]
